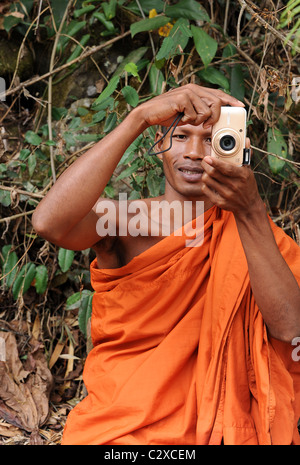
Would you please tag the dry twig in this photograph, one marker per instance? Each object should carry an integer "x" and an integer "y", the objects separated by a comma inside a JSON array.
[{"x": 268, "y": 26}]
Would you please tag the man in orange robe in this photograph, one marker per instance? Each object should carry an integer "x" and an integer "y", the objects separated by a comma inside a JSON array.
[{"x": 192, "y": 344}]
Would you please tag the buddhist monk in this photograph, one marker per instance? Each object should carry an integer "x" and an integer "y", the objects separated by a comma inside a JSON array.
[{"x": 195, "y": 338}]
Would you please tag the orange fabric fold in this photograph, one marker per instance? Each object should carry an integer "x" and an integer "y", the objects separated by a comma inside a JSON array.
[{"x": 181, "y": 353}]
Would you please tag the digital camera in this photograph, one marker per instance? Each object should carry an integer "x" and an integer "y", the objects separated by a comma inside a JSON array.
[{"x": 229, "y": 136}]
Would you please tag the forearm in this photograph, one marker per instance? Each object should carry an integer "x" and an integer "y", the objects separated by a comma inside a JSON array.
[
  {"x": 274, "y": 287},
  {"x": 77, "y": 190}
]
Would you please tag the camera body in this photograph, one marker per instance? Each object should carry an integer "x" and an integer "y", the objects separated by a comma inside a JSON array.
[{"x": 229, "y": 136}]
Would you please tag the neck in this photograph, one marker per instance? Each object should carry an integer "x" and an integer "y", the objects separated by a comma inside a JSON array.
[{"x": 171, "y": 195}]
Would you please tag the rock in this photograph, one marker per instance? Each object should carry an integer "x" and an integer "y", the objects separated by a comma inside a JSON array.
[{"x": 9, "y": 51}]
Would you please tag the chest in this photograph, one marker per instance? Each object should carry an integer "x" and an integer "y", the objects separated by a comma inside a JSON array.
[{"x": 119, "y": 251}]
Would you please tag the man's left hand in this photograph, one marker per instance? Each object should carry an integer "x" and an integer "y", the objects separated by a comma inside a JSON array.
[{"x": 229, "y": 186}]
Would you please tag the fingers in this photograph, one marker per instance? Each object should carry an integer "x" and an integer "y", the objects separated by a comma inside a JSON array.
[
  {"x": 225, "y": 184},
  {"x": 214, "y": 116},
  {"x": 203, "y": 105},
  {"x": 226, "y": 99},
  {"x": 198, "y": 104},
  {"x": 220, "y": 169}
]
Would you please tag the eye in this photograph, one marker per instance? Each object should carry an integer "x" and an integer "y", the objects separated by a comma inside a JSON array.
[
  {"x": 208, "y": 140},
  {"x": 179, "y": 136}
]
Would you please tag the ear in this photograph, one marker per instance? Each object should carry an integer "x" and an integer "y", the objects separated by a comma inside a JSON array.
[{"x": 158, "y": 147}]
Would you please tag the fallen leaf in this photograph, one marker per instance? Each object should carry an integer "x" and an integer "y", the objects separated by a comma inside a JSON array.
[
  {"x": 12, "y": 357},
  {"x": 24, "y": 390},
  {"x": 56, "y": 353},
  {"x": 100, "y": 85},
  {"x": 16, "y": 14},
  {"x": 8, "y": 430}
]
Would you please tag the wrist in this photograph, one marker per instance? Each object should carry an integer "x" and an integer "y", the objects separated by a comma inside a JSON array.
[
  {"x": 255, "y": 213},
  {"x": 137, "y": 119},
  {"x": 254, "y": 228}
]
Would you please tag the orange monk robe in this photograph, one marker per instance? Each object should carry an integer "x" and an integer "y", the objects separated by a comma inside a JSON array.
[{"x": 181, "y": 353}]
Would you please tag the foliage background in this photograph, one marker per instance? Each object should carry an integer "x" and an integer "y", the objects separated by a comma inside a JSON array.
[{"x": 73, "y": 69}]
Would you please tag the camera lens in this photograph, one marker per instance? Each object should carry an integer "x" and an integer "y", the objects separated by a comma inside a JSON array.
[{"x": 227, "y": 142}]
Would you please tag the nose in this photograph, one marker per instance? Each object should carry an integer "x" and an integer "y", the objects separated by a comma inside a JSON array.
[{"x": 195, "y": 150}]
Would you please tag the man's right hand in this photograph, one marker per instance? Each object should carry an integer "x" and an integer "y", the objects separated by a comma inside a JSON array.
[{"x": 198, "y": 104}]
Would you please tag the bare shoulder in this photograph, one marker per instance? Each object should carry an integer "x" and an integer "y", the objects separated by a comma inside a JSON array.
[{"x": 123, "y": 230}]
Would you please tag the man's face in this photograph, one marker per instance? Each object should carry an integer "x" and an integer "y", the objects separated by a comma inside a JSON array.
[{"x": 183, "y": 162}]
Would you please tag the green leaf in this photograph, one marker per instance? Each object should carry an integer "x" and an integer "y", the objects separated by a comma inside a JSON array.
[
  {"x": 59, "y": 113},
  {"x": 75, "y": 123},
  {"x": 41, "y": 279},
  {"x": 237, "y": 85},
  {"x": 146, "y": 5},
  {"x": 181, "y": 32},
  {"x": 167, "y": 49},
  {"x": 23, "y": 280},
  {"x": 277, "y": 145},
  {"x": 10, "y": 21},
  {"x": 69, "y": 138},
  {"x": 5, "y": 252},
  {"x": 189, "y": 9},
  {"x": 129, "y": 169},
  {"x": 82, "y": 111},
  {"x": 32, "y": 138},
  {"x": 205, "y": 45},
  {"x": 182, "y": 25},
  {"x": 3, "y": 167},
  {"x": 58, "y": 10},
  {"x": 99, "y": 116},
  {"x": 79, "y": 48},
  {"x": 88, "y": 137},
  {"x": 83, "y": 11},
  {"x": 31, "y": 163},
  {"x": 131, "y": 96},
  {"x": 131, "y": 151},
  {"x": 107, "y": 103},
  {"x": 148, "y": 24},
  {"x": 83, "y": 301},
  {"x": 132, "y": 57},
  {"x": 177, "y": 39},
  {"x": 108, "y": 24},
  {"x": 65, "y": 259},
  {"x": 156, "y": 80},
  {"x": 5, "y": 199},
  {"x": 85, "y": 313},
  {"x": 229, "y": 51},
  {"x": 109, "y": 89},
  {"x": 214, "y": 76},
  {"x": 70, "y": 31},
  {"x": 9, "y": 267},
  {"x": 132, "y": 69},
  {"x": 134, "y": 195},
  {"x": 109, "y": 191},
  {"x": 74, "y": 300},
  {"x": 109, "y": 9},
  {"x": 153, "y": 183},
  {"x": 110, "y": 122}
]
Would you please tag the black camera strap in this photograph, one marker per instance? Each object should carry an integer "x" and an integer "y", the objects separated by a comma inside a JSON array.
[
  {"x": 246, "y": 156},
  {"x": 171, "y": 128}
]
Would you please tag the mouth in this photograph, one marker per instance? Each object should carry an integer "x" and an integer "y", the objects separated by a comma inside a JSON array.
[{"x": 191, "y": 173}]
